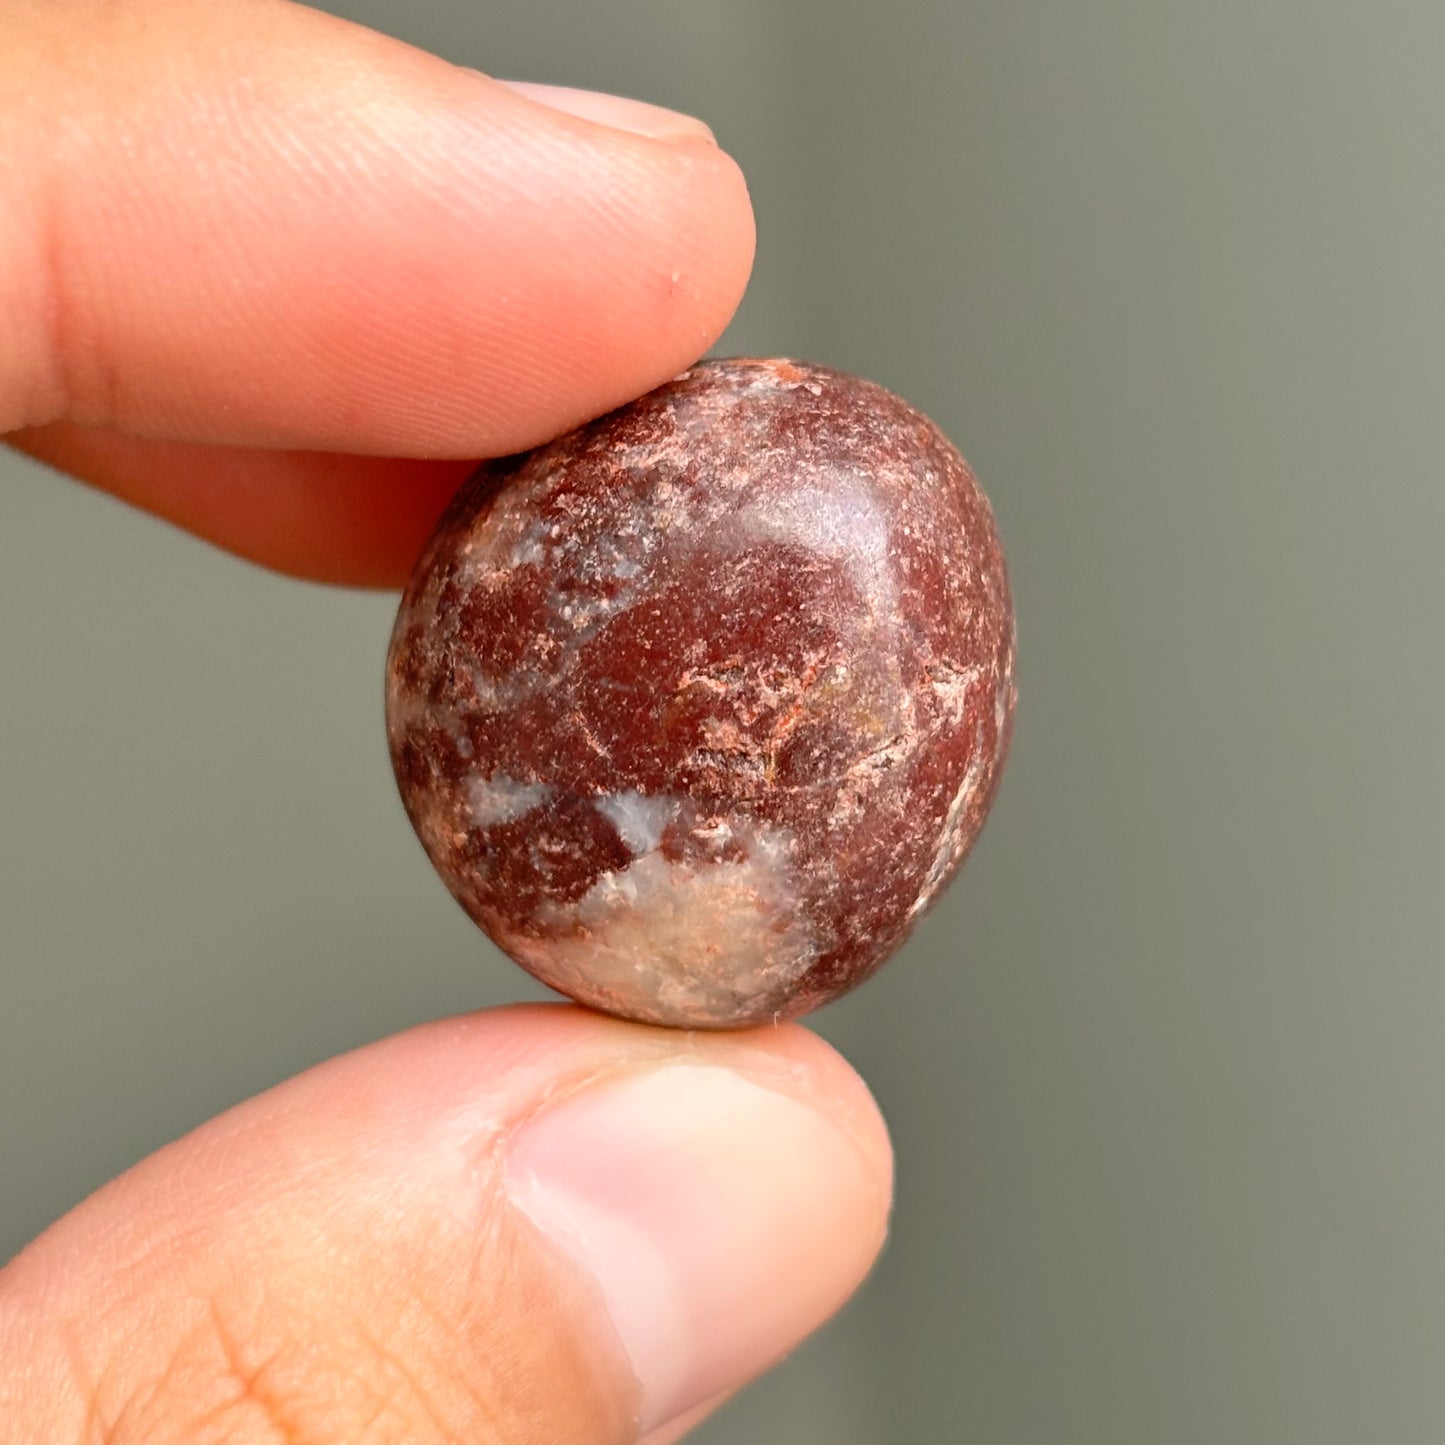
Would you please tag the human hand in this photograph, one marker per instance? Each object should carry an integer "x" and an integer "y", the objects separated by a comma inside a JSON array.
[{"x": 278, "y": 279}]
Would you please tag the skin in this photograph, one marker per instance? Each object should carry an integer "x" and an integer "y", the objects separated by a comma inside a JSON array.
[{"x": 403, "y": 1243}]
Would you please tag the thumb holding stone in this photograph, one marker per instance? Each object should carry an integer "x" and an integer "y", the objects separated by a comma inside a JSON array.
[{"x": 535, "y": 1224}]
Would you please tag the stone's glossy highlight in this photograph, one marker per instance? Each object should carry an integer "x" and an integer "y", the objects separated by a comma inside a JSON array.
[{"x": 698, "y": 708}]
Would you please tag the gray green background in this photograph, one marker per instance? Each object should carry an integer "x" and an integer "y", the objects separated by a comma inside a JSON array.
[{"x": 1165, "y": 1070}]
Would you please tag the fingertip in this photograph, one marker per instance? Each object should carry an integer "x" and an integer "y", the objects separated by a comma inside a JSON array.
[{"x": 723, "y": 1207}]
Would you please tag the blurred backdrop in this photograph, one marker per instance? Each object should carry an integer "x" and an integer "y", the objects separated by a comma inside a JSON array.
[{"x": 1165, "y": 1070}]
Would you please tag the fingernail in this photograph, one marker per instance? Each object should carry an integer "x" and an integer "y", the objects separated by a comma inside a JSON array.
[
  {"x": 615, "y": 110},
  {"x": 721, "y": 1221}
]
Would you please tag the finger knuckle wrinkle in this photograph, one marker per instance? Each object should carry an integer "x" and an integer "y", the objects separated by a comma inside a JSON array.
[
  {"x": 54, "y": 364},
  {"x": 201, "y": 1389},
  {"x": 73, "y": 379},
  {"x": 306, "y": 1383},
  {"x": 31, "y": 389}
]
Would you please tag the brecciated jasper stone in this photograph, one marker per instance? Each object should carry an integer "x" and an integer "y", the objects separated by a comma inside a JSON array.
[{"x": 697, "y": 709}]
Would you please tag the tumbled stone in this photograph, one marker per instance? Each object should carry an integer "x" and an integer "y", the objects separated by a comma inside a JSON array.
[{"x": 697, "y": 709}]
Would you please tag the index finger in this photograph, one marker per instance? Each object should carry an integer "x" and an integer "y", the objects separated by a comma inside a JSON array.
[{"x": 257, "y": 225}]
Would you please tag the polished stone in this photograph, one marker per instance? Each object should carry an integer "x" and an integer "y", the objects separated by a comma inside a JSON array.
[{"x": 697, "y": 709}]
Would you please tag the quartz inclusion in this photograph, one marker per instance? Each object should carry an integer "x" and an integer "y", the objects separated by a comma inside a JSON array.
[{"x": 698, "y": 708}]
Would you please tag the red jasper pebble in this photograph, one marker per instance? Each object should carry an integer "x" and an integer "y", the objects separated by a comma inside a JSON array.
[{"x": 698, "y": 708}]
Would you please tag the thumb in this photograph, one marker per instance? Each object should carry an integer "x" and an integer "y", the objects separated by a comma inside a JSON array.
[{"x": 530, "y": 1225}]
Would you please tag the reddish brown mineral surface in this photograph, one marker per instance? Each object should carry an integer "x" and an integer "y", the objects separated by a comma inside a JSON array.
[{"x": 697, "y": 709}]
